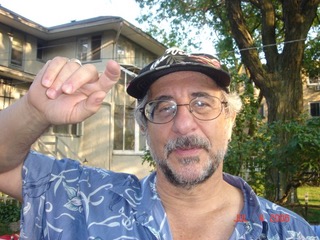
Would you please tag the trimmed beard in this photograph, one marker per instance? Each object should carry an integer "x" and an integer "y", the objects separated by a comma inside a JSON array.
[{"x": 188, "y": 142}]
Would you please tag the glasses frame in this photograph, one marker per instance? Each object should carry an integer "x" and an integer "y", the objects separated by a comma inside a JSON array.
[{"x": 224, "y": 104}]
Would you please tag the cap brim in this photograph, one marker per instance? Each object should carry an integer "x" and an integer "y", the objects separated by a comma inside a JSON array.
[{"x": 139, "y": 86}]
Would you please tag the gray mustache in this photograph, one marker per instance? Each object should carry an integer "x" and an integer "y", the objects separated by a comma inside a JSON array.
[{"x": 187, "y": 142}]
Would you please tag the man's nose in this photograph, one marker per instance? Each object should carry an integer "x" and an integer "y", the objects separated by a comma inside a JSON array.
[{"x": 184, "y": 121}]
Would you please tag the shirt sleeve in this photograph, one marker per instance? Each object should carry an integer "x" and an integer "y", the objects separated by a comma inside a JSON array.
[{"x": 45, "y": 212}]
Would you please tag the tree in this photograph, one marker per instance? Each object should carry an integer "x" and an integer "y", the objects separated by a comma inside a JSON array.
[{"x": 270, "y": 36}]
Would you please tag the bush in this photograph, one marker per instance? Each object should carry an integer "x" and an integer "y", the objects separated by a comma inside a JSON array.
[{"x": 9, "y": 212}]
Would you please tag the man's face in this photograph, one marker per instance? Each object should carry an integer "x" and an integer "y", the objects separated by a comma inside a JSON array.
[{"x": 188, "y": 150}]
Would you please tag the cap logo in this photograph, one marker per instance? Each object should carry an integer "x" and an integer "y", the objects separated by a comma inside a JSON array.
[
  {"x": 173, "y": 55},
  {"x": 176, "y": 55},
  {"x": 207, "y": 61}
]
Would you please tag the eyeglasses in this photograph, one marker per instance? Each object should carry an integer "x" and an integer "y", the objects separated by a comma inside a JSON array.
[{"x": 204, "y": 108}]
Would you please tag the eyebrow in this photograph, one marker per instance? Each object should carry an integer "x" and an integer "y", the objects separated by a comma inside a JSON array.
[
  {"x": 194, "y": 95},
  {"x": 200, "y": 94},
  {"x": 163, "y": 97}
]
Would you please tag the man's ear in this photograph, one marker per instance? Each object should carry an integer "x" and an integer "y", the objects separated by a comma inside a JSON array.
[
  {"x": 143, "y": 129},
  {"x": 230, "y": 118}
]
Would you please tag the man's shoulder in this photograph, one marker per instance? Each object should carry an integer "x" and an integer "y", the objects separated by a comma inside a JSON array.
[{"x": 39, "y": 167}]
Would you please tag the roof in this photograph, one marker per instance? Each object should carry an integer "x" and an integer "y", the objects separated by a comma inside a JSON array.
[{"x": 87, "y": 26}]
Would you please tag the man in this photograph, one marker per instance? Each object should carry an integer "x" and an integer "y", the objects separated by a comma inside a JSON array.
[{"x": 187, "y": 113}]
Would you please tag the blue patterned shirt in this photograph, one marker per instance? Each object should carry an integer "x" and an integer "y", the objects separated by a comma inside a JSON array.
[{"x": 64, "y": 200}]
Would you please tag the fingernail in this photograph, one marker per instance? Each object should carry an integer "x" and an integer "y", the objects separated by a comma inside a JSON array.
[
  {"x": 46, "y": 82},
  {"x": 99, "y": 100},
  {"x": 51, "y": 93}
]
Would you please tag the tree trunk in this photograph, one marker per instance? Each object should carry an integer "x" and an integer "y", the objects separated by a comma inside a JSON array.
[{"x": 279, "y": 78}]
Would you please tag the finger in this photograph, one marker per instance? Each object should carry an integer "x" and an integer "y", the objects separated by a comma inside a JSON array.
[
  {"x": 83, "y": 75},
  {"x": 110, "y": 76},
  {"x": 88, "y": 80},
  {"x": 68, "y": 69},
  {"x": 39, "y": 77},
  {"x": 53, "y": 69}
]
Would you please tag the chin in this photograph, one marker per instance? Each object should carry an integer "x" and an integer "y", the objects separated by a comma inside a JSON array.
[{"x": 188, "y": 178}]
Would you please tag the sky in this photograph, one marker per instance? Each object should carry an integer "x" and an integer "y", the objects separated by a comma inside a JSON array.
[{"x": 55, "y": 12}]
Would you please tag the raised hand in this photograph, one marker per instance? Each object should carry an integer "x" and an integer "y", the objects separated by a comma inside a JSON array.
[{"x": 65, "y": 91}]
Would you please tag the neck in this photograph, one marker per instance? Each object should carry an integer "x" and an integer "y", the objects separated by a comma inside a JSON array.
[
  {"x": 206, "y": 211},
  {"x": 207, "y": 196}
]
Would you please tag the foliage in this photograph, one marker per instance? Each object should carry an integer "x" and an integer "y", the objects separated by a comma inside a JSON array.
[
  {"x": 9, "y": 212},
  {"x": 146, "y": 158},
  {"x": 178, "y": 23},
  {"x": 253, "y": 156},
  {"x": 256, "y": 148}
]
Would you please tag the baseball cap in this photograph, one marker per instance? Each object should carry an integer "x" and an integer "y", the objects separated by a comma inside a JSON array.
[{"x": 174, "y": 60}]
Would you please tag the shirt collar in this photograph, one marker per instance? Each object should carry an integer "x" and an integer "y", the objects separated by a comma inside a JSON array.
[{"x": 254, "y": 225}]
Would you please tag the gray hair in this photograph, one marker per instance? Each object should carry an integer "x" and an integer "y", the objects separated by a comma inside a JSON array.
[{"x": 233, "y": 99}]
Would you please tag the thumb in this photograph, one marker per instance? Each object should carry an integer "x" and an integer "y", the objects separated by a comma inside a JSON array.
[{"x": 110, "y": 76}]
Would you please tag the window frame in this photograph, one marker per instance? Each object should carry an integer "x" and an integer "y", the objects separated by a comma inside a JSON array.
[
  {"x": 138, "y": 146},
  {"x": 72, "y": 130},
  {"x": 16, "y": 50},
  {"x": 88, "y": 43}
]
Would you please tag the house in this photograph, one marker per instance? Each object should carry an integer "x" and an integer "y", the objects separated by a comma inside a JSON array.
[{"x": 110, "y": 139}]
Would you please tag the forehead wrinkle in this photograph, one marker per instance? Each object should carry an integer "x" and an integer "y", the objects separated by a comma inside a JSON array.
[
  {"x": 200, "y": 94},
  {"x": 164, "y": 97}
]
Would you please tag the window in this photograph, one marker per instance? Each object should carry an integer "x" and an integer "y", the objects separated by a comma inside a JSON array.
[
  {"x": 127, "y": 136},
  {"x": 5, "y": 93},
  {"x": 69, "y": 129},
  {"x": 40, "y": 51},
  {"x": 120, "y": 53},
  {"x": 89, "y": 48},
  {"x": 313, "y": 80},
  {"x": 16, "y": 51},
  {"x": 315, "y": 109},
  {"x": 96, "y": 47},
  {"x": 83, "y": 46},
  {"x": 9, "y": 92}
]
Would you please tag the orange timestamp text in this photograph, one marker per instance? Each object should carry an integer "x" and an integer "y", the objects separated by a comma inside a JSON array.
[{"x": 273, "y": 217}]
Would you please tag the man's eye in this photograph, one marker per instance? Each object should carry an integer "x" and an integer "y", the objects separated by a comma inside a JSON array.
[
  {"x": 201, "y": 104},
  {"x": 165, "y": 108}
]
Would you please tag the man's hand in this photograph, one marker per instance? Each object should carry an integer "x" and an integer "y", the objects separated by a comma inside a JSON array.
[{"x": 65, "y": 91}]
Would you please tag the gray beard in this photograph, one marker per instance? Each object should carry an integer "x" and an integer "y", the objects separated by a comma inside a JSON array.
[{"x": 188, "y": 142}]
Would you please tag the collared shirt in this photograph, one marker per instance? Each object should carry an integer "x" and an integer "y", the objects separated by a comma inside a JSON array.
[{"x": 64, "y": 200}]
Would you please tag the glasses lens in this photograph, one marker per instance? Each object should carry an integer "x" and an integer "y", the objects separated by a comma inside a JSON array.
[
  {"x": 160, "y": 111},
  {"x": 206, "y": 108}
]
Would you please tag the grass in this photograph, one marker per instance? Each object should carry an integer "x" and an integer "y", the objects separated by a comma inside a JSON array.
[
  {"x": 311, "y": 211},
  {"x": 313, "y": 195}
]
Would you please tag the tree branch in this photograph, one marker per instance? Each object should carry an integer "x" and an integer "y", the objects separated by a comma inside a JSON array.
[
  {"x": 268, "y": 33},
  {"x": 242, "y": 36}
]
